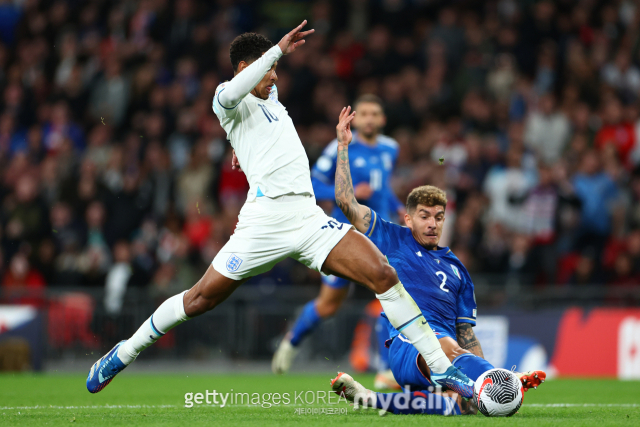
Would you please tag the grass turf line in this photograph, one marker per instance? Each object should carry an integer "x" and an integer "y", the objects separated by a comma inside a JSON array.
[{"x": 147, "y": 400}]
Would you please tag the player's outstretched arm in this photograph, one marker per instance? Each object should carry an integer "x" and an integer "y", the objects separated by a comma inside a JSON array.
[
  {"x": 248, "y": 76},
  {"x": 357, "y": 214},
  {"x": 467, "y": 339}
]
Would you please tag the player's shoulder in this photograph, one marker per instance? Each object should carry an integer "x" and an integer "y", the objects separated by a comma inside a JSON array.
[
  {"x": 220, "y": 109},
  {"x": 220, "y": 88},
  {"x": 460, "y": 269},
  {"x": 391, "y": 227},
  {"x": 388, "y": 143},
  {"x": 331, "y": 150},
  {"x": 326, "y": 160}
]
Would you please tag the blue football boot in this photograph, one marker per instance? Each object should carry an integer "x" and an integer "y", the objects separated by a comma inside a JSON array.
[
  {"x": 105, "y": 369},
  {"x": 455, "y": 380}
]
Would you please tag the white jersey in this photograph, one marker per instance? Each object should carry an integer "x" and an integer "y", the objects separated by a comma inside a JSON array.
[{"x": 263, "y": 135}]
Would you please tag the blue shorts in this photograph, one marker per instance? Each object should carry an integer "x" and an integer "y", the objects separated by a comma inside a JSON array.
[
  {"x": 403, "y": 361},
  {"x": 335, "y": 282}
]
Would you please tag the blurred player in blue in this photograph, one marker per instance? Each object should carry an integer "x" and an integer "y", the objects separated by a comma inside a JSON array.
[
  {"x": 435, "y": 278},
  {"x": 373, "y": 158}
]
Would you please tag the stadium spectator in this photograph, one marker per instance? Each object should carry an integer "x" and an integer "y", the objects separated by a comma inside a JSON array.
[
  {"x": 23, "y": 284},
  {"x": 547, "y": 130},
  {"x": 107, "y": 133}
]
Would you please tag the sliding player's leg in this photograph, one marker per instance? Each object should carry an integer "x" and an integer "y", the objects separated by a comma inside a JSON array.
[
  {"x": 212, "y": 289},
  {"x": 473, "y": 366},
  {"x": 332, "y": 294},
  {"x": 424, "y": 402},
  {"x": 356, "y": 258}
]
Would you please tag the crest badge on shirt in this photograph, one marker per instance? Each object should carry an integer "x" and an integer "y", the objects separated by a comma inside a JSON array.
[
  {"x": 455, "y": 270},
  {"x": 233, "y": 263}
]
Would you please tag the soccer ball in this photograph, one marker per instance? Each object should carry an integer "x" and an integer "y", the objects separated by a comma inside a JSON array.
[{"x": 498, "y": 393}]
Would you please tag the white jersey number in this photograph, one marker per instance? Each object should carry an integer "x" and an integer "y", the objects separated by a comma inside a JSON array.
[
  {"x": 443, "y": 277},
  {"x": 375, "y": 179}
]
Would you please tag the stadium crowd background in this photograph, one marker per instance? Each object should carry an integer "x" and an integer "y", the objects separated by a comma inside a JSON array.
[{"x": 115, "y": 172}]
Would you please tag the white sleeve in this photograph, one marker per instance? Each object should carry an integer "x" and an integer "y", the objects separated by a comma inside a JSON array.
[{"x": 244, "y": 82}]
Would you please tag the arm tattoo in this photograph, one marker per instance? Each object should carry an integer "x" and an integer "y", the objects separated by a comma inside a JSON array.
[
  {"x": 345, "y": 198},
  {"x": 467, "y": 339}
]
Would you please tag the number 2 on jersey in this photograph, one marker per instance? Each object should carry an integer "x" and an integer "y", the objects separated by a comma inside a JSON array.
[{"x": 443, "y": 277}]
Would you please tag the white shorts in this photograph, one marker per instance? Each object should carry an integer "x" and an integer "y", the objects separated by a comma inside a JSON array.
[{"x": 270, "y": 230}]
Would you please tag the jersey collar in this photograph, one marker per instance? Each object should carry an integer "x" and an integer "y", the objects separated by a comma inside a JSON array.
[
  {"x": 440, "y": 252},
  {"x": 357, "y": 141}
]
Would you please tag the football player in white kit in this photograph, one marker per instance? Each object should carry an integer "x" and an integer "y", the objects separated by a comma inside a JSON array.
[{"x": 280, "y": 219}]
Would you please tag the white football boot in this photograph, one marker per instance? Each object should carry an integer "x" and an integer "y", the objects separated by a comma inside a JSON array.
[
  {"x": 284, "y": 356},
  {"x": 344, "y": 385}
]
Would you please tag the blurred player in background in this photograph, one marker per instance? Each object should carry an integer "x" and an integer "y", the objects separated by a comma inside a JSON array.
[
  {"x": 280, "y": 219},
  {"x": 373, "y": 157}
]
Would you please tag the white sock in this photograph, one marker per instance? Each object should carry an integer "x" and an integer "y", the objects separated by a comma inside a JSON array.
[
  {"x": 168, "y": 315},
  {"x": 404, "y": 314}
]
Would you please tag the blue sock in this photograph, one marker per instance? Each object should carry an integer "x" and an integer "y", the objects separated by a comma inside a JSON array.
[
  {"x": 309, "y": 319},
  {"x": 471, "y": 365},
  {"x": 382, "y": 334},
  {"x": 417, "y": 402}
]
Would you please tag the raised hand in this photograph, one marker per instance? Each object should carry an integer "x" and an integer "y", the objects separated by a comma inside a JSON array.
[
  {"x": 343, "y": 130},
  {"x": 294, "y": 39}
]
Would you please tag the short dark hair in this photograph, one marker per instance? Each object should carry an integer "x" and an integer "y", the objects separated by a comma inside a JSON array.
[
  {"x": 368, "y": 98},
  {"x": 427, "y": 195},
  {"x": 248, "y": 47}
]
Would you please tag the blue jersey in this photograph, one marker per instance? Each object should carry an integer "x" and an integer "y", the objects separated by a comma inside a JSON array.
[
  {"x": 436, "y": 279},
  {"x": 370, "y": 164}
]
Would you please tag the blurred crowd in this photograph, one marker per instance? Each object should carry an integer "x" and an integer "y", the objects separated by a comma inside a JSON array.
[{"x": 115, "y": 173}]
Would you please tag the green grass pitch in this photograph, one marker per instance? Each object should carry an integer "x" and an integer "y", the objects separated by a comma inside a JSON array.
[{"x": 151, "y": 400}]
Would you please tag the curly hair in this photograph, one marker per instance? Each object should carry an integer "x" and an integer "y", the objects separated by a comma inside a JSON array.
[
  {"x": 248, "y": 47},
  {"x": 427, "y": 195}
]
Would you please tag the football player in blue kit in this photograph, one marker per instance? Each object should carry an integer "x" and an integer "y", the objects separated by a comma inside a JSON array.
[
  {"x": 433, "y": 275},
  {"x": 373, "y": 157}
]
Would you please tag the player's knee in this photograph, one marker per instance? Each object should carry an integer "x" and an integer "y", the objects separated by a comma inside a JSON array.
[
  {"x": 198, "y": 304},
  {"x": 385, "y": 277}
]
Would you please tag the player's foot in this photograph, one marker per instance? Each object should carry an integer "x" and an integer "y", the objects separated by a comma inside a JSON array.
[
  {"x": 352, "y": 390},
  {"x": 284, "y": 356},
  {"x": 385, "y": 381},
  {"x": 532, "y": 379},
  {"x": 455, "y": 380},
  {"x": 105, "y": 369}
]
